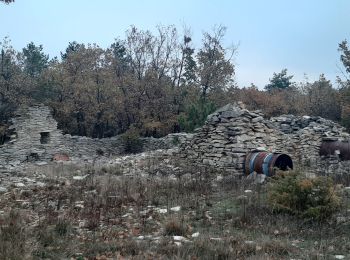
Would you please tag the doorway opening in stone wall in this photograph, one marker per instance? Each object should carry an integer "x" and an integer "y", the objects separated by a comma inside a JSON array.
[
  {"x": 7, "y": 136},
  {"x": 44, "y": 137}
]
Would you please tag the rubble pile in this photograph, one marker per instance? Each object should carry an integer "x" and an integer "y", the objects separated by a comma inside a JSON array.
[
  {"x": 232, "y": 131},
  {"x": 307, "y": 134}
]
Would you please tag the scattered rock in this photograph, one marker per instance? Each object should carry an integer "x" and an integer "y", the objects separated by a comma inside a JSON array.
[
  {"x": 195, "y": 234},
  {"x": 175, "y": 209},
  {"x": 180, "y": 238},
  {"x": 41, "y": 163},
  {"x": 79, "y": 178},
  {"x": 162, "y": 211},
  {"x": 3, "y": 189},
  {"x": 79, "y": 204}
]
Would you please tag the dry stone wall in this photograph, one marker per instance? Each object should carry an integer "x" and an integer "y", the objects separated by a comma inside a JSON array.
[
  {"x": 36, "y": 138},
  {"x": 233, "y": 131},
  {"x": 34, "y": 133},
  {"x": 307, "y": 134},
  {"x": 223, "y": 142},
  {"x": 229, "y": 133}
]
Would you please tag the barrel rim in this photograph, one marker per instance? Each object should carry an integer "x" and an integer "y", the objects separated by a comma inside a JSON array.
[{"x": 264, "y": 162}]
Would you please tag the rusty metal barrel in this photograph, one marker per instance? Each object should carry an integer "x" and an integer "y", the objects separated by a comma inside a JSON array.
[
  {"x": 335, "y": 147},
  {"x": 263, "y": 162}
]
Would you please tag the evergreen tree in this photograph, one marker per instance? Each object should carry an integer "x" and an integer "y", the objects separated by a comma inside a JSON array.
[
  {"x": 280, "y": 81},
  {"x": 7, "y": 1},
  {"x": 121, "y": 59},
  {"x": 323, "y": 99},
  {"x": 35, "y": 61},
  {"x": 72, "y": 47},
  {"x": 345, "y": 55},
  {"x": 190, "y": 65}
]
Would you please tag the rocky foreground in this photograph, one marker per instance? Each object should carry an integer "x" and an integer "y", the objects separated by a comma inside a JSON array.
[
  {"x": 187, "y": 202},
  {"x": 152, "y": 205}
]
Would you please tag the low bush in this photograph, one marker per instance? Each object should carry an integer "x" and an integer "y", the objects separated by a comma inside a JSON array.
[
  {"x": 62, "y": 227},
  {"x": 313, "y": 198},
  {"x": 12, "y": 237},
  {"x": 131, "y": 141},
  {"x": 174, "y": 227}
]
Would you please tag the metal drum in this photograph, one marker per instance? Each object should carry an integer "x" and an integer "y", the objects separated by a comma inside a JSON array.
[
  {"x": 339, "y": 148},
  {"x": 265, "y": 162}
]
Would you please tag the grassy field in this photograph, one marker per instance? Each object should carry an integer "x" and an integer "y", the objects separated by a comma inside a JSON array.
[{"x": 195, "y": 214}]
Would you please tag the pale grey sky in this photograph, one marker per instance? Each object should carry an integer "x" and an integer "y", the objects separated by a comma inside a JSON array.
[{"x": 300, "y": 35}]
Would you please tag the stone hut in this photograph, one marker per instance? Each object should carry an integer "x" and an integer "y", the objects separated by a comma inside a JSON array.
[
  {"x": 232, "y": 131},
  {"x": 34, "y": 133}
]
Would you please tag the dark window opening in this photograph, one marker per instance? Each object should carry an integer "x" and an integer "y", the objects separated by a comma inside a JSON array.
[
  {"x": 44, "y": 137},
  {"x": 32, "y": 157}
]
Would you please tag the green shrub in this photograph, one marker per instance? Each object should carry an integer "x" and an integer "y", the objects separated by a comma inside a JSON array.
[
  {"x": 314, "y": 198},
  {"x": 195, "y": 115},
  {"x": 131, "y": 141},
  {"x": 62, "y": 227}
]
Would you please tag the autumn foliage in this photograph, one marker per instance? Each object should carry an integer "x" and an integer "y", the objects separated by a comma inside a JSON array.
[{"x": 157, "y": 83}]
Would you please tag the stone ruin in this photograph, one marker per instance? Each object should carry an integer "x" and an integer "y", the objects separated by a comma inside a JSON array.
[
  {"x": 223, "y": 142},
  {"x": 35, "y": 138},
  {"x": 232, "y": 131},
  {"x": 34, "y": 131}
]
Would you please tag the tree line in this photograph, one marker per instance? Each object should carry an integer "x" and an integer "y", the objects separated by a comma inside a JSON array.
[{"x": 153, "y": 83}]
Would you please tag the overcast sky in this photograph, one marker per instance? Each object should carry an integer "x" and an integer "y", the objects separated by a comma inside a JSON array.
[{"x": 300, "y": 35}]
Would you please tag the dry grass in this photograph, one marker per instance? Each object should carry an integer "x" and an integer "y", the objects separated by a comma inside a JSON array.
[{"x": 111, "y": 215}]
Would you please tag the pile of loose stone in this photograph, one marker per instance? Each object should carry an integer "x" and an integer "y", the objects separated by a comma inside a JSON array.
[
  {"x": 307, "y": 134},
  {"x": 233, "y": 131},
  {"x": 291, "y": 124},
  {"x": 229, "y": 133}
]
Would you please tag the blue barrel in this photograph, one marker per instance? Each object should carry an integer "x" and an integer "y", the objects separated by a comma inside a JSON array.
[{"x": 263, "y": 162}]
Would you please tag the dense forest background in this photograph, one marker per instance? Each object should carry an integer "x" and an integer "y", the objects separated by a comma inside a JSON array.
[{"x": 154, "y": 83}]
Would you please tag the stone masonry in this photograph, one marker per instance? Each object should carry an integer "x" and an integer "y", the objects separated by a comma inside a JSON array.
[
  {"x": 35, "y": 132},
  {"x": 233, "y": 131},
  {"x": 223, "y": 142},
  {"x": 36, "y": 138}
]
